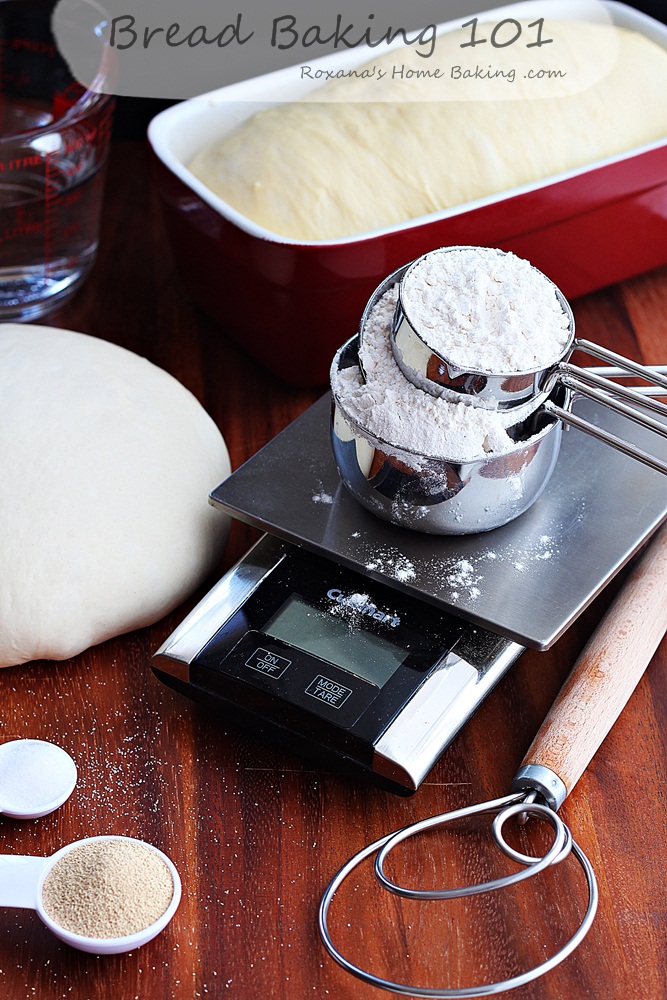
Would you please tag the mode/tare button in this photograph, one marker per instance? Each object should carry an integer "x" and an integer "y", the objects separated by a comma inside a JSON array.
[
  {"x": 268, "y": 663},
  {"x": 328, "y": 692}
]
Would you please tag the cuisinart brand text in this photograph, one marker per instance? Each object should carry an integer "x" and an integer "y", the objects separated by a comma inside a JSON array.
[{"x": 361, "y": 604}]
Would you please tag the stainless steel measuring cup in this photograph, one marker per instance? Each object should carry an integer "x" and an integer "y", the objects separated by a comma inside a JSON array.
[
  {"x": 435, "y": 373},
  {"x": 439, "y": 495},
  {"x": 22, "y": 881}
]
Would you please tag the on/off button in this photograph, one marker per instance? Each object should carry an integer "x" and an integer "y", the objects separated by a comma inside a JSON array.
[{"x": 268, "y": 663}]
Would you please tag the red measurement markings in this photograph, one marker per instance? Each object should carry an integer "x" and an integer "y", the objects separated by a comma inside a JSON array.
[
  {"x": 51, "y": 180},
  {"x": 70, "y": 198},
  {"x": 21, "y": 228},
  {"x": 20, "y": 163},
  {"x": 87, "y": 138},
  {"x": 34, "y": 45}
]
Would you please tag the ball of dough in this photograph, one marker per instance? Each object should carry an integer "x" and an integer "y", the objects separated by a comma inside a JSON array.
[{"x": 106, "y": 464}]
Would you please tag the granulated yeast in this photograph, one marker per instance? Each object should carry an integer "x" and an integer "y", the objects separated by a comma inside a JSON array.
[
  {"x": 485, "y": 310},
  {"x": 108, "y": 889}
]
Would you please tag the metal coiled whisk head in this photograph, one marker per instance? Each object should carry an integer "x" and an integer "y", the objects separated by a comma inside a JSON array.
[{"x": 504, "y": 808}]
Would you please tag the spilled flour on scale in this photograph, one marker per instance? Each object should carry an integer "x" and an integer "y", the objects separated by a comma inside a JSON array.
[
  {"x": 322, "y": 496},
  {"x": 391, "y": 562},
  {"x": 354, "y": 609},
  {"x": 465, "y": 576}
]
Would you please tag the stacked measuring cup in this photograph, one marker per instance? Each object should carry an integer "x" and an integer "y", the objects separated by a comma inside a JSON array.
[{"x": 439, "y": 494}]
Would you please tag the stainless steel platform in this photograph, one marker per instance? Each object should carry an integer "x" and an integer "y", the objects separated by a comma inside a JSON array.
[{"x": 528, "y": 580}]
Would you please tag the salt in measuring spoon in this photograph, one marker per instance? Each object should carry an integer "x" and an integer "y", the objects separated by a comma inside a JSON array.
[
  {"x": 36, "y": 777},
  {"x": 22, "y": 882}
]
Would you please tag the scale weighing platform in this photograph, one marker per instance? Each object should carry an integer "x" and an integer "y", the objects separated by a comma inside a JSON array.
[{"x": 368, "y": 646}]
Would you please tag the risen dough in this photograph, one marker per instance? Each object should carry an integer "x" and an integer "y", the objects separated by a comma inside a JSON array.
[
  {"x": 325, "y": 170},
  {"x": 106, "y": 464}
]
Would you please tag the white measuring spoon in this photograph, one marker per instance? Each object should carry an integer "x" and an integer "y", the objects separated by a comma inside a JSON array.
[
  {"x": 36, "y": 777},
  {"x": 22, "y": 881}
]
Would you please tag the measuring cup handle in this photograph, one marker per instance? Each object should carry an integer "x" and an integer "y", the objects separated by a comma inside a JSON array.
[
  {"x": 629, "y": 402},
  {"x": 651, "y": 373},
  {"x": 19, "y": 879},
  {"x": 606, "y": 673},
  {"x": 652, "y": 461}
]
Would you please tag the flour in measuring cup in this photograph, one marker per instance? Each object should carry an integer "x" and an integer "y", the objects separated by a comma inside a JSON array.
[
  {"x": 485, "y": 310},
  {"x": 391, "y": 408}
]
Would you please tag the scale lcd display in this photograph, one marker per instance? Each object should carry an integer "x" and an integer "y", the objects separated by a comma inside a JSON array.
[{"x": 336, "y": 640}]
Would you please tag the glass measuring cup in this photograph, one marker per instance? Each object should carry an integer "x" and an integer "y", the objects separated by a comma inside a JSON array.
[
  {"x": 22, "y": 882},
  {"x": 54, "y": 140}
]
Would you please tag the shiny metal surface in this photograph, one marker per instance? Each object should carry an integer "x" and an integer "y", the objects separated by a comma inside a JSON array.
[
  {"x": 536, "y": 777},
  {"x": 438, "y": 496},
  {"x": 433, "y": 372},
  {"x": 527, "y": 580},
  {"x": 410, "y": 746},
  {"x": 435, "y": 495},
  {"x": 504, "y": 807},
  {"x": 613, "y": 440},
  {"x": 437, "y": 374},
  {"x": 179, "y": 650}
]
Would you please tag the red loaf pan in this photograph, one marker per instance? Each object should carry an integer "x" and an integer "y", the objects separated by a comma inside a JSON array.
[{"x": 291, "y": 305}]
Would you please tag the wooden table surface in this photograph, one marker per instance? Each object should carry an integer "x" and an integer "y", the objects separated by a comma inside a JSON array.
[{"x": 256, "y": 833}]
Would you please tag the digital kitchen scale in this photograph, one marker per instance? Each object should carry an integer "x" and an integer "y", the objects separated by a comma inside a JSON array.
[{"x": 368, "y": 646}]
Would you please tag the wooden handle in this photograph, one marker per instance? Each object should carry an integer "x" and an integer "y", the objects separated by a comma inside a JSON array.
[{"x": 607, "y": 671}]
